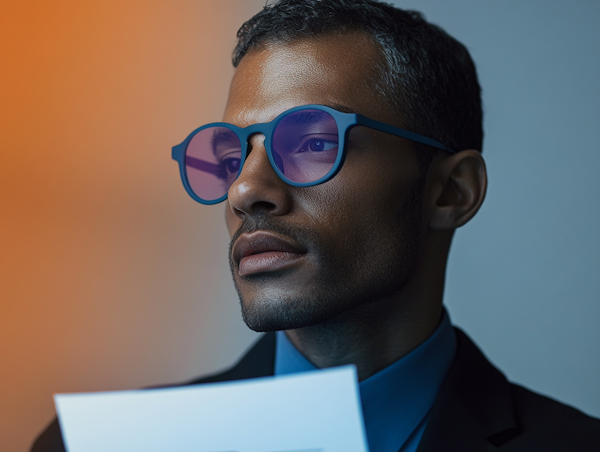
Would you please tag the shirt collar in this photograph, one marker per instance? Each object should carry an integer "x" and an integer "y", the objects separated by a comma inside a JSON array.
[{"x": 396, "y": 399}]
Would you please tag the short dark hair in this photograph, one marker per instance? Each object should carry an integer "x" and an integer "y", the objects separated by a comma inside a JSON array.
[{"x": 426, "y": 75}]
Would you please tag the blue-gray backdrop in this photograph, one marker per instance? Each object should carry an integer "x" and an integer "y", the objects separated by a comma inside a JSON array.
[{"x": 523, "y": 278}]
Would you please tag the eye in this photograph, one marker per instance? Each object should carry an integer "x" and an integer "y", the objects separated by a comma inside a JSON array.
[
  {"x": 231, "y": 165},
  {"x": 320, "y": 145}
]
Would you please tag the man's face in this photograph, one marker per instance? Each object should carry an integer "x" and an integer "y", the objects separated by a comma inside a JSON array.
[{"x": 301, "y": 256}]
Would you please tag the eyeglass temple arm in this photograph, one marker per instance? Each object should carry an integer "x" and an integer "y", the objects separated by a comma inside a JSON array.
[
  {"x": 178, "y": 154},
  {"x": 382, "y": 127},
  {"x": 205, "y": 166}
]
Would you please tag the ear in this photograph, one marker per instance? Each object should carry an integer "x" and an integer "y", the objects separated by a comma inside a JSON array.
[{"x": 459, "y": 183}]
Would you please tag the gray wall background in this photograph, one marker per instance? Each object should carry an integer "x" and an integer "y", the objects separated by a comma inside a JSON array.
[{"x": 523, "y": 278}]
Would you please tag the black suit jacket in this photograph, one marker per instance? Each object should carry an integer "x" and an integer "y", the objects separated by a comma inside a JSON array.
[{"x": 477, "y": 409}]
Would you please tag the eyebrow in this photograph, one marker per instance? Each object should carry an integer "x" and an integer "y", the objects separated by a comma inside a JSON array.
[
  {"x": 223, "y": 137},
  {"x": 340, "y": 107}
]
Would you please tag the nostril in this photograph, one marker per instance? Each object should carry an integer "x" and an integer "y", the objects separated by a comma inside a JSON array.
[{"x": 263, "y": 205}]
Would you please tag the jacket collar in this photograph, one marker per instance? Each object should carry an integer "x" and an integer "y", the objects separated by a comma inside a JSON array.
[{"x": 474, "y": 409}]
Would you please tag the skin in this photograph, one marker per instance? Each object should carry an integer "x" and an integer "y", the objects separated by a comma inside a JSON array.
[{"x": 378, "y": 233}]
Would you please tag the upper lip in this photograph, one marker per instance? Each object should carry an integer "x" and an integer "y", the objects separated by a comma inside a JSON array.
[{"x": 262, "y": 242}]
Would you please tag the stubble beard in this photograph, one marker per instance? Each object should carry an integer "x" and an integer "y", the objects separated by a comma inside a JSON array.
[{"x": 341, "y": 285}]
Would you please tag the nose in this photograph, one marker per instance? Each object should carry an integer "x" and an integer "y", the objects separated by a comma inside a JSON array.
[{"x": 258, "y": 188}]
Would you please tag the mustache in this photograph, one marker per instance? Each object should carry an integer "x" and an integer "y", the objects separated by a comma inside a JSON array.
[{"x": 262, "y": 222}]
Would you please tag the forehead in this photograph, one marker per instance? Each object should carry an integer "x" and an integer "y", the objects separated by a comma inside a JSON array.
[{"x": 334, "y": 70}]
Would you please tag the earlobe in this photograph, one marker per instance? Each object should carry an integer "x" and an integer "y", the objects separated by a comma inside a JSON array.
[{"x": 459, "y": 186}]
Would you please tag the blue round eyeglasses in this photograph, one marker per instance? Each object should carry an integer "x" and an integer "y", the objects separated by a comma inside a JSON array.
[{"x": 305, "y": 145}]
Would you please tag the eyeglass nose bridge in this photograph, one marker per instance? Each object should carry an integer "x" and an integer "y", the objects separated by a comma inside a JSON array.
[
  {"x": 245, "y": 135},
  {"x": 344, "y": 122},
  {"x": 256, "y": 129}
]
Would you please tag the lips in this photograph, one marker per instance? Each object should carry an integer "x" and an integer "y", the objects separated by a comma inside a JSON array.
[{"x": 264, "y": 251}]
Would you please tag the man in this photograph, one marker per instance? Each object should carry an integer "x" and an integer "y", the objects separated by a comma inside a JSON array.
[{"x": 349, "y": 153}]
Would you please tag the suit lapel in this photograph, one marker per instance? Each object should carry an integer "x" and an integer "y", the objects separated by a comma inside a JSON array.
[
  {"x": 474, "y": 409},
  {"x": 457, "y": 432}
]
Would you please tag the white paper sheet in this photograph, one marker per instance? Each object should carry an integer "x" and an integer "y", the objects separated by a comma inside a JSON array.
[{"x": 309, "y": 412}]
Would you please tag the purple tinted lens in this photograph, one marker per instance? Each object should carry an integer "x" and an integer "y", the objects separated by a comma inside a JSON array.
[
  {"x": 305, "y": 145},
  {"x": 212, "y": 162}
]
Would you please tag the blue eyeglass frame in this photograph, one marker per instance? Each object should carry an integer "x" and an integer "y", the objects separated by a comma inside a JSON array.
[{"x": 345, "y": 122}]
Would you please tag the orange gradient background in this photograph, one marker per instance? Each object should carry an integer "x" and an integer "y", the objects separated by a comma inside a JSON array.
[{"x": 105, "y": 281}]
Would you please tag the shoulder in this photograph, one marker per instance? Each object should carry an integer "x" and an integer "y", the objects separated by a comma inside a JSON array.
[
  {"x": 257, "y": 362},
  {"x": 477, "y": 409},
  {"x": 50, "y": 440},
  {"x": 552, "y": 425}
]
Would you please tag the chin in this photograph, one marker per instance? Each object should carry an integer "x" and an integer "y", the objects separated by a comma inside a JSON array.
[
  {"x": 325, "y": 292},
  {"x": 266, "y": 315}
]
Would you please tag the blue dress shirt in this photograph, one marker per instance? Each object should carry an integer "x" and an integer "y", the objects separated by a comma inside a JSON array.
[{"x": 396, "y": 400}]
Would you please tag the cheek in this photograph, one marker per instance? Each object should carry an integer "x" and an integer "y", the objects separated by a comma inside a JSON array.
[
  {"x": 371, "y": 188},
  {"x": 343, "y": 216},
  {"x": 367, "y": 201}
]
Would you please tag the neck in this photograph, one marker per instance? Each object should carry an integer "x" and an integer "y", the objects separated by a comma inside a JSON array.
[{"x": 377, "y": 333}]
